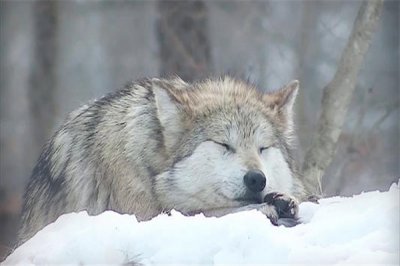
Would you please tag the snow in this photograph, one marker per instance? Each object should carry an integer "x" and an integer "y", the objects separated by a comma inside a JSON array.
[{"x": 363, "y": 229}]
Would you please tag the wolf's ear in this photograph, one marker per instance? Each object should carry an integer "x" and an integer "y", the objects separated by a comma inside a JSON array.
[
  {"x": 170, "y": 115},
  {"x": 282, "y": 100}
]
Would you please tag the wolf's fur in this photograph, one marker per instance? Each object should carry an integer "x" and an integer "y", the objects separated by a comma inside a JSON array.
[{"x": 158, "y": 145}]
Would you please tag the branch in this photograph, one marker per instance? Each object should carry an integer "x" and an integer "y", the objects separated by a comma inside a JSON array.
[
  {"x": 337, "y": 96},
  {"x": 388, "y": 111}
]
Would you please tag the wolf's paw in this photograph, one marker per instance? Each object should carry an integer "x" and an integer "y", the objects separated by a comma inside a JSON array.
[{"x": 286, "y": 207}]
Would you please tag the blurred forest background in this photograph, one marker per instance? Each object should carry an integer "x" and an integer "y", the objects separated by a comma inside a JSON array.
[{"x": 57, "y": 55}]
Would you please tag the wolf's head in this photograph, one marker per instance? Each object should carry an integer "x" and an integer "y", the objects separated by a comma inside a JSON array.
[{"x": 229, "y": 144}]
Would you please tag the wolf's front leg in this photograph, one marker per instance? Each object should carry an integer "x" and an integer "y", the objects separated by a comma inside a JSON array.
[
  {"x": 280, "y": 209},
  {"x": 265, "y": 208}
]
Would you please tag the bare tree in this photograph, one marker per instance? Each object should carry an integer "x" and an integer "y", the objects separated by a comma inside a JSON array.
[
  {"x": 337, "y": 96},
  {"x": 183, "y": 39}
]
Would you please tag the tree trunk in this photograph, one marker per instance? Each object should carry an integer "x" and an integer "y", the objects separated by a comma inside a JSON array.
[
  {"x": 337, "y": 96},
  {"x": 183, "y": 39},
  {"x": 43, "y": 80}
]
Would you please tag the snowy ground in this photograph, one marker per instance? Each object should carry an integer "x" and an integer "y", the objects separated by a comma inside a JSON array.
[{"x": 363, "y": 229}]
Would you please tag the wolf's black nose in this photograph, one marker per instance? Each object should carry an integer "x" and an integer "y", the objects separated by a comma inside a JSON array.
[{"x": 255, "y": 180}]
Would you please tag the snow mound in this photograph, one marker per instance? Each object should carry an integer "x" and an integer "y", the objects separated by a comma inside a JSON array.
[{"x": 357, "y": 230}]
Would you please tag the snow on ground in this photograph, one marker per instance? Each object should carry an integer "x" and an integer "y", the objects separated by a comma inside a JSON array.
[{"x": 363, "y": 229}]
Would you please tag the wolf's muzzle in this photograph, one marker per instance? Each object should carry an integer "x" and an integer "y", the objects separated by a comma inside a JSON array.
[{"x": 255, "y": 180}]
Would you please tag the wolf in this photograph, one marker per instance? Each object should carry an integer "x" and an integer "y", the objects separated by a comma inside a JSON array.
[{"x": 215, "y": 147}]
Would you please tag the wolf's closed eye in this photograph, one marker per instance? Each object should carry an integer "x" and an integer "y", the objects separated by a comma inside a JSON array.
[
  {"x": 226, "y": 146},
  {"x": 263, "y": 149}
]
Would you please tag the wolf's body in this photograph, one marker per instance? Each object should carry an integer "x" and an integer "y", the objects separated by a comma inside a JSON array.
[{"x": 213, "y": 147}]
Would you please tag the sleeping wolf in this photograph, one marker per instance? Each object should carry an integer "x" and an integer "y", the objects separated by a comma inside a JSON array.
[{"x": 213, "y": 147}]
